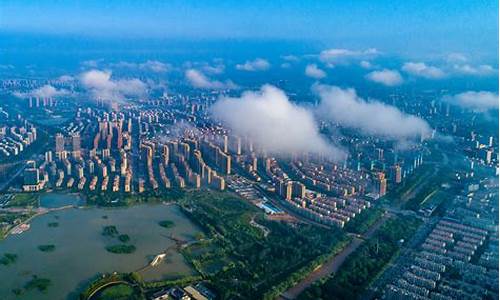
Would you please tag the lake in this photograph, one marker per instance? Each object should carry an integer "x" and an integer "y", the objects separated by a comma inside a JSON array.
[
  {"x": 80, "y": 251},
  {"x": 53, "y": 200}
]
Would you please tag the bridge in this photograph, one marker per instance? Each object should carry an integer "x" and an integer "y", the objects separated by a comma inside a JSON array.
[{"x": 179, "y": 244}]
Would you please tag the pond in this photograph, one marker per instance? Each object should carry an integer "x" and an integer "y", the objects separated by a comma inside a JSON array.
[{"x": 53, "y": 200}]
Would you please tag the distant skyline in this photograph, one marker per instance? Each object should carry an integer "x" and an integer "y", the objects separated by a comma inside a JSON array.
[{"x": 425, "y": 28}]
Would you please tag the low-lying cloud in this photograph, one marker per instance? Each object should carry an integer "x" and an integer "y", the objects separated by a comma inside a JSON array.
[
  {"x": 290, "y": 58},
  {"x": 198, "y": 80},
  {"x": 46, "y": 91},
  {"x": 421, "y": 69},
  {"x": 459, "y": 64},
  {"x": 385, "y": 77},
  {"x": 150, "y": 65},
  {"x": 479, "y": 101},
  {"x": 103, "y": 87},
  {"x": 216, "y": 69},
  {"x": 273, "y": 122},
  {"x": 313, "y": 71},
  {"x": 258, "y": 64},
  {"x": 481, "y": 70},
  {"x": 346, "y": 108},
  {"x": 65, "y": 78},
  {"x": 366, "y": 64},
  {"x": 342, "y": 56}
]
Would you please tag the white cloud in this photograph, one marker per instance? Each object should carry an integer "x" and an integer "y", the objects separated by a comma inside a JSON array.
[
  {"x": 290, "y": 58},
  {"x": 150, "y": 65},
  {"x": 273, "y": 122},
  {"x": 481, "y": 70},
  {"x": 366, "y": 64},
  {"x": 459, "y": 64},
  {"x": 91, "y": 63},
  {"x": 46, "y": 91},
  {"x": 65, "y": 78},
  {"x": 479, "y": 101},
  {"x": 385, "y": 77},
  {"x": 259, "y": 64},
  {"x": 286, "y": 65},
  {"x": 335, "y": 56},
  {"x": 345, "y": 107},
  {"x": 456, "y": 58},
  {"x": 217, "y": 69},
  {"x": 156, "y": 66},
  {"x": 103, "y": 87},
  {"x": 422, "y": 70},
  {"x": 313, "y": 71},
  {"x": 199, "y": 80}
]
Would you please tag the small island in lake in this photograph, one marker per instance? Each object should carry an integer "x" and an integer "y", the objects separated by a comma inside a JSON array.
[
  {"x": 8, "y": 258},
  {"x": 166, "y": 224},
  {"x": 46, "y": 248},
  {"x": 121, "y": 249}
]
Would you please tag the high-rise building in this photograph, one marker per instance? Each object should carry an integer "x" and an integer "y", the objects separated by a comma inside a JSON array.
[
  {"x": 298, "y": 190},
  {"x": 397, "y": 173},
  {"x": 285, "y": 189},
  {"x": 380, "y": 153},
  {"x": 224, "y": 162},
  {"x": 31, "y": 177},
  {"x": 225, "y": 143},
  {"x": 487, "y": 156},
  {"x": 59, "y": 143},
  {"x": 48, "y": 156},
  {"x": 381, "y": 184},
  {"x": 76, "y": 144}
]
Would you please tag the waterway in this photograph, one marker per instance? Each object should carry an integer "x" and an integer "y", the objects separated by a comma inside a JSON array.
[{"x": 80, "y": 248}]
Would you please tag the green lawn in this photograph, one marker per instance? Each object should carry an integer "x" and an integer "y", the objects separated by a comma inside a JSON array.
[
  {"x": 118, "y": 292},
  {"x": 24, "y": 199}
]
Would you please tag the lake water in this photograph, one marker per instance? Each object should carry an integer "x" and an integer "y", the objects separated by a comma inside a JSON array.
[
  {"x": 53, "y": 200},
  {"x": 80, "y": 248}
]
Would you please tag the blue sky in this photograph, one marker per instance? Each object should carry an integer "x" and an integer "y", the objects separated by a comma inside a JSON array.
[{"x": 407, "y": 27}]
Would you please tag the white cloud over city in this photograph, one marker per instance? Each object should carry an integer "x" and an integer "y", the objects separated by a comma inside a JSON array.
[
  {"x": 386, "y": 77},
  {"x": 313, "y": 71},
  {"x": 46, "y": 91},
  {"x": 475, "y": 100},
  {"x": 102, "y": 86},
  {"x": 258, "y": 64},
  {"x": 341, "y": 56},
  {"x": 273, "y": 122},
  {"x": 370, "y": 117},
  {"x": 467, "y": 69},
  {"x": 421, "y": 69},
  {"x": 150, "y": 65},
  {"x": 199, "y": 80}
]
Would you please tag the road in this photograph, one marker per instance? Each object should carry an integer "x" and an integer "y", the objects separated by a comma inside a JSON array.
[{"x": 334, "y": 264}]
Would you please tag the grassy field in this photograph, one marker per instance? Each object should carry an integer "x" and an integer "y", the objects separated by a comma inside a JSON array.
[
  {"x": 23, "y": 200},
  {"x": 118, "y": 292}
]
